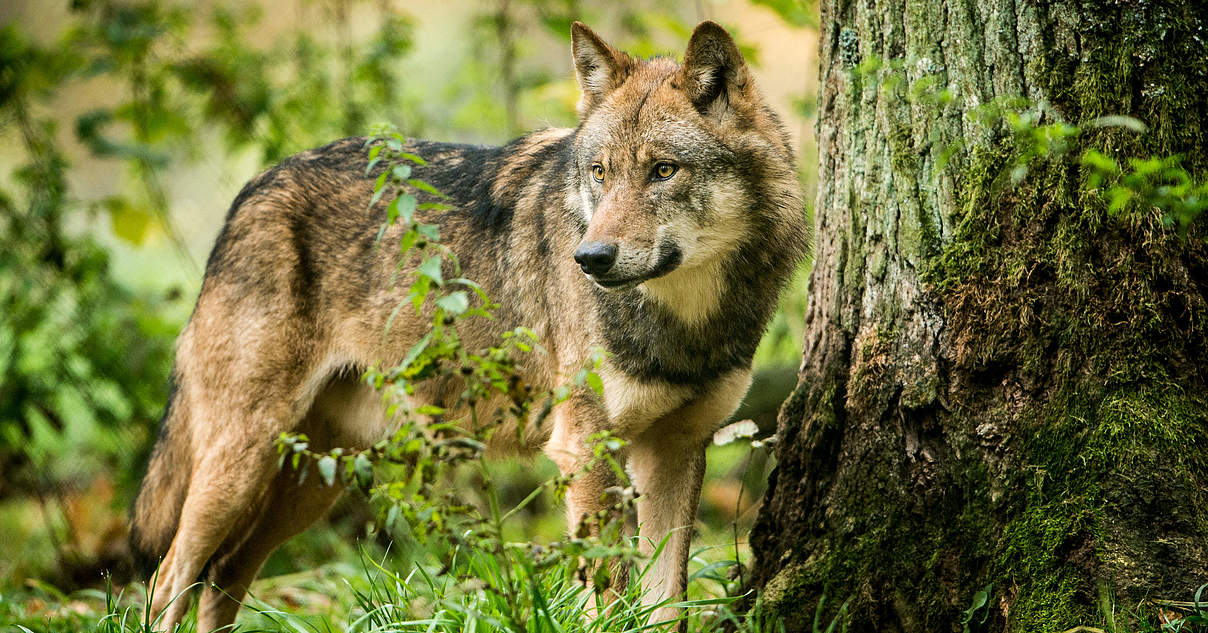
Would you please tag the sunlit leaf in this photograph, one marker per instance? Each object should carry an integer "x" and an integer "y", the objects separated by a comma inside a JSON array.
[
  {"x": 327, "y": 469},
  {"x": 128, "y": 222},
  {"x": 431, "y": 269},
  {"x": 454, "y": 303}
]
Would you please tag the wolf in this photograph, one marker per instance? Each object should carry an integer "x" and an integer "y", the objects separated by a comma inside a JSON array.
[{"x": 661, "y": 229}]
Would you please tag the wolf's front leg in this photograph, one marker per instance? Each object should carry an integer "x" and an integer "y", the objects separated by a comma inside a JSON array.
[
  {"x": 667, "y": 469},
  {"x": 667, "y": 462}
]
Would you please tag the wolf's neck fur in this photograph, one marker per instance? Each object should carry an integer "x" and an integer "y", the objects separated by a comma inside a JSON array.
[{"x": 692, "y": 295}]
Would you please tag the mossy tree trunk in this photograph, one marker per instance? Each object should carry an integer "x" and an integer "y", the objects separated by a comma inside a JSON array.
[{"x": 1004, "y": 384}]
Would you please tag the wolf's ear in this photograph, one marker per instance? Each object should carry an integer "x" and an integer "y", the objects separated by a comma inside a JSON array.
[
  {"x": 713, "y": 68},
  {"x": 599, "y": 67}
]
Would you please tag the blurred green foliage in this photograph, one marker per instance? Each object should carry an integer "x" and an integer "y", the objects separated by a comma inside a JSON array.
[{"x": 84, "y": 360}]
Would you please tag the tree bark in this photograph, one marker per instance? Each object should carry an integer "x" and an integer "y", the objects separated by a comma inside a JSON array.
[{"x": 1004, "y": 384}]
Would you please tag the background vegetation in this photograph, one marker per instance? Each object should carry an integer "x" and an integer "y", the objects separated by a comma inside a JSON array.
[{"x": 128, "y": 126}]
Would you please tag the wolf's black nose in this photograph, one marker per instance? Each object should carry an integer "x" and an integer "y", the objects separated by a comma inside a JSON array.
[{"x": 596, "y": 258}]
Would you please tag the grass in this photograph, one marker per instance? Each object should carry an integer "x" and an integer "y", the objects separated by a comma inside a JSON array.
[{"x": 374, "y": 593}]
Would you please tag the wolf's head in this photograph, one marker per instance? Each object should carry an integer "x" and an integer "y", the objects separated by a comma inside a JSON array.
[{"x": 670, "y": 159}]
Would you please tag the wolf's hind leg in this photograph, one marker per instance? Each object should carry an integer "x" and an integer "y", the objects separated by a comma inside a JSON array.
[
  {"x": 226, "y": 489},
  {"x": 234, "y": 463},
  {"x": 290, "y": 508},
  {"x": 344, "y": 413}
]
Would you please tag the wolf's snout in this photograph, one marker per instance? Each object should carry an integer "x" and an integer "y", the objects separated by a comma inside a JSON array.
[{"x": 596, "y": 258}]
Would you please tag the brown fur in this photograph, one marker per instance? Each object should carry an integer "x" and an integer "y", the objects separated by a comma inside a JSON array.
[{"x": 296, "y": 299}]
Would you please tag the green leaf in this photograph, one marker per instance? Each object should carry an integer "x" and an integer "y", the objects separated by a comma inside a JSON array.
[
  {"x": 597, "y": 385},
  {"x": 419, "y": 290},
  {"x": 601, "y": 577},
  {"x": 406, "y": 206},
  {"x": 980, "y": 600},
  {"x": 407, "y": 242},
  {"x": 423, "y": 186},
  {"x": 1126, "y": 122},
  {"x": 1119, "y": 197},
  {"x": 430, "y": 231},
  {"x": 327, "y": 469},
  {"x": 379, "y": 188},
  {"x": 362, "y": 469},
  {"x": 413, "y": 158},
  {"x": 416, "y": 350},
  {"x": 403, "y": 205},
  {"x": 796, "y": 12},
  {"x": 401, "y": 172},
  {"x": 431, "y": 269},
  {"x": 374, "y": 158},
  {"x": 454, "y": 303},
  {"x": 128, "y": 223},
  {"x": 392, "y": 212}
]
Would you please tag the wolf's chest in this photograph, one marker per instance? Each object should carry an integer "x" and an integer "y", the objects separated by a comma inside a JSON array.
[
  {"x": 652, "y": 345},
  {"x": 632, "y": 404}
]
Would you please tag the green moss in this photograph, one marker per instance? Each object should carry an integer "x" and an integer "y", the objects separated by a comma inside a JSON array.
[
  {"x": 917, "y": 238},
  {"x": 1149, "y": 60},
  {"x": 1071, "y": 508},
  {"x": 1091, "y": 310}
]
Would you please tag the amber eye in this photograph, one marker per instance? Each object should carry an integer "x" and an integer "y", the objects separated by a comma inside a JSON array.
[
  {"x": 663, "y": 171},
  {"x": 597, "y": 172}
]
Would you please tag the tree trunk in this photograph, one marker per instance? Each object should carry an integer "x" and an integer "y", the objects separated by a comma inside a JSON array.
[{"x": 1004, "y": 384}]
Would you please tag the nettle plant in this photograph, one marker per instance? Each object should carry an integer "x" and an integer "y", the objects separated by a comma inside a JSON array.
[{"x": 408, "y": 475}]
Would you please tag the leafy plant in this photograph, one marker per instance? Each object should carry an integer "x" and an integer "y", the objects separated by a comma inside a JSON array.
[{"x": 970, "y": 620}]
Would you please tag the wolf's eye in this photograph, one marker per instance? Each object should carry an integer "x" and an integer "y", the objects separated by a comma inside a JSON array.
[
  {"x": 663, "y": 171},
  {"x": 597, "y": 172}
]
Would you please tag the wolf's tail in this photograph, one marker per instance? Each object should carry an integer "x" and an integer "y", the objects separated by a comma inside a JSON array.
[{"x": 156, "y": 511}]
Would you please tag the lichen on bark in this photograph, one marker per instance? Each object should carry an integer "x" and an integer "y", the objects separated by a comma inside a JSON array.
[{"x": 1003, "y": 382}]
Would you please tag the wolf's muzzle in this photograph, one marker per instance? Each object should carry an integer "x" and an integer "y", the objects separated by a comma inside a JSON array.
[{"x": 670, "y": 257}]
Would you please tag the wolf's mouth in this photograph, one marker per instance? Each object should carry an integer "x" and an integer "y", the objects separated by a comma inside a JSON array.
[
  {"x": 670, "y": 258},
  {"x": 617, "y": 284}
]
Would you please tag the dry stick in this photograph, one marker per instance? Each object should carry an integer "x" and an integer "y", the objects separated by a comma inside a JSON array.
[
  {"x": 50, "y": 531},
  {"x": 742, "y": 486},
  {"x": 505, "y": 32}
]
